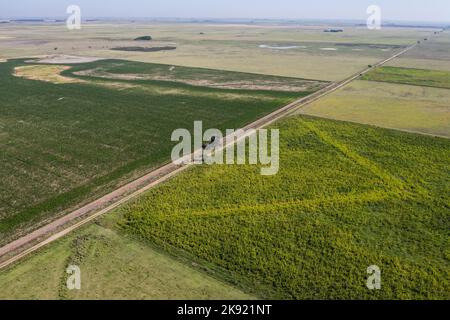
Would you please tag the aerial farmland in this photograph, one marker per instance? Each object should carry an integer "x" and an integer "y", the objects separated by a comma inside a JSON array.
[{"x": 90, "y": 119}]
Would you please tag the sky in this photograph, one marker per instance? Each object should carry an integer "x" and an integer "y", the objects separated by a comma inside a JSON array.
[{"x": 392, "y": 10}]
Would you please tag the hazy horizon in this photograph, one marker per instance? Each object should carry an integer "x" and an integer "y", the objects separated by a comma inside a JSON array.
[{"x": 348, "y": 10}]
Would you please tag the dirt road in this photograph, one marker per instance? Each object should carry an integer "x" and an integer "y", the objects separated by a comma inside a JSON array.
[{"x": 35, "y": 240}]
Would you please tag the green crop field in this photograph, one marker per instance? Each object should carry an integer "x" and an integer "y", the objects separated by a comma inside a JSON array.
[
  {"x": 388, "y": 105},
  {"x": 64, "y": 144},
  {"x": 347, "y": 196},
  {"x": 418, "y": 77}
]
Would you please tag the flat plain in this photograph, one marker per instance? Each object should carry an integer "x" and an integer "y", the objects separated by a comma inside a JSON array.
[
  {"x": 347, "y": 196},
  {"x": 70, "y": 139},
  {"x": 313, "y": 54}
]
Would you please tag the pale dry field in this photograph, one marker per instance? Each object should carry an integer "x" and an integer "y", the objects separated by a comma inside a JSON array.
[
  {"x": 226, "y": 47},
  {"x": 396, "y": 106},
  {"x": 431, "y": 54},
  {"x": 47, "y": 73}
]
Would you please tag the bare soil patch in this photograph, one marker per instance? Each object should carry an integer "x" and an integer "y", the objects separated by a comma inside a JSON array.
[
  {"x": 144, "y": 49},
  {"x": 47, "y": 73},
  {"x": 268, "y": 85}
]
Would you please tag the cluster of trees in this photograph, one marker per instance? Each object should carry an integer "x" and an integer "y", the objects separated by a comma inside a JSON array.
[{"x": 144, "y": 38}]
